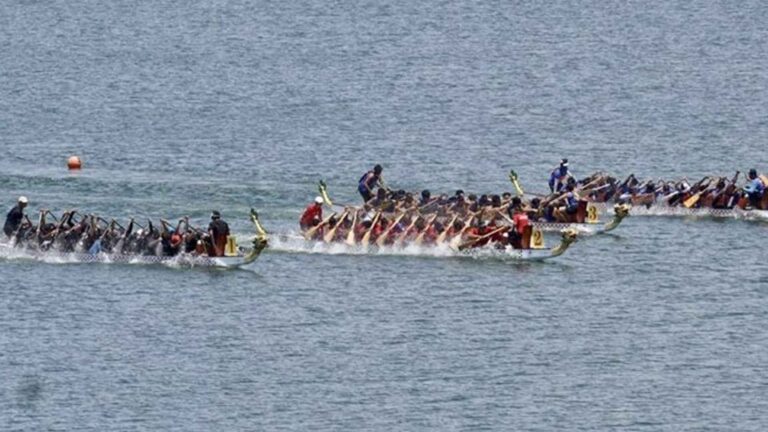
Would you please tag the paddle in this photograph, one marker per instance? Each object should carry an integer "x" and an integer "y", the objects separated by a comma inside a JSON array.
[
  {"x": 40, "y": 222},
  {"x": 331, "y": 232},
  {"x": 108, "y": 222},
  {"x": 473, "y": 242},
  {"x": 420, "y": 238},
  {"x": 693, "y": 199},
  {"x": 456, "y": 240},
  {"x": 53, "y": 215},
  {"x": 592, "y": 184},
  {"x": 310, "y": 233},
  {"x": 441, "y": 237},
  {"x": 728, "y": 191},
  {"x": 383, "y": 237},
  {"x": 367, "y": 236},
  {"x": 350, "y": 241},
  {"x": 401, "y": 238}
]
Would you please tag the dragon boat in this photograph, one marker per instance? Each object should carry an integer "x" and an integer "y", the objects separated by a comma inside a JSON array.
[
  {"x": 234, "y": 256},
  {"x": 710, "y": 197},
  {"x": 397, "y": 238}
]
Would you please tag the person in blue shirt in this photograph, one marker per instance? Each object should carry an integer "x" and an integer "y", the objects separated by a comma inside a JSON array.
[
  {"x": 754, "y": 189},
  {"x": 369, "y": 181},
  {"x": 559, "y": 177},
  {"x": 567, "y": 211}
]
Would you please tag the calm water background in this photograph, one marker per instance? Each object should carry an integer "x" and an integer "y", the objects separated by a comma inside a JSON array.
[{"x": 178, "y": 108}]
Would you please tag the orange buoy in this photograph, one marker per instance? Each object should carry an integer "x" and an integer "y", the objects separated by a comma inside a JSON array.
[{"x": 74, "y": 163}]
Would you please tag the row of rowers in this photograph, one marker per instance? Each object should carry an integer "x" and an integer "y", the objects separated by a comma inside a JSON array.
[
  {"x": 73, "y": 232},
  {"x": 390, "y": 217},
  {"x": 400, "y": 220}
]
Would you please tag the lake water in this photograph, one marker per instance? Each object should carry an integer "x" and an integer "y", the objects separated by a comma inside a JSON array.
[{"x": 178, "y": 108}]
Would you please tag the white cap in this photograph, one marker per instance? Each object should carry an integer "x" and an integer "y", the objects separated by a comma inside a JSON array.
[
  {"x": 319, "y": 200},
  {"x": 23, "y": 200}
]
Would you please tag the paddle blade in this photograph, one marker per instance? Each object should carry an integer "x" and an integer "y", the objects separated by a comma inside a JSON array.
[
  {"x": 690, "y": 202},
  {"x": 350, "y": 238}
]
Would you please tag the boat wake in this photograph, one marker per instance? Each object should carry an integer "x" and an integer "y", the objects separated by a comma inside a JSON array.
[
  {"x": 294, "y": 243},
  {"x": 54, "y": 257}
]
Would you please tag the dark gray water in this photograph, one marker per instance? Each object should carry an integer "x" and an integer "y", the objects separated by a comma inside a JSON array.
[{"x": 178, "y": 108}]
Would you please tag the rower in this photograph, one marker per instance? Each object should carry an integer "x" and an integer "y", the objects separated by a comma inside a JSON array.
[
  {"x": 754, "y": 189},
  {"x": 564, "y": 213},
  {"x": 15, "y": 216},
  {"x": 559, "y": 177},
  {"x": 368, "y": 181},
  {"x": 520, "y": 223},
  {"x": 218, "y": 230},
  {"x": 458, "y": 196},
  {"x": 426, "y": 197},
  {"x": 379, "y": 200},
  {"x": 312, "y": 215}
]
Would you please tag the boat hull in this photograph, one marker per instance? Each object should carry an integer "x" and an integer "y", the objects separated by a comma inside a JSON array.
[
  {"x": 295, "y": 243},
  {"x": 661, "y": 210}
]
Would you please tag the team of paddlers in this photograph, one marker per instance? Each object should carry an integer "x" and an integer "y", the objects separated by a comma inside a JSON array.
[
  {"x": 87, "y": 233},
  {"x": 397, "y": 217},
  {"x": 709, "y": 192}
]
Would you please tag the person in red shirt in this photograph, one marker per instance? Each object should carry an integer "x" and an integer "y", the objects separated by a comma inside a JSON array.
[
  {"x": 479, "y": 230},
  {"x": 312, "y": 215},
  {"x": 379, "y": 228},
  {"x": 520, "y": 219}
]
